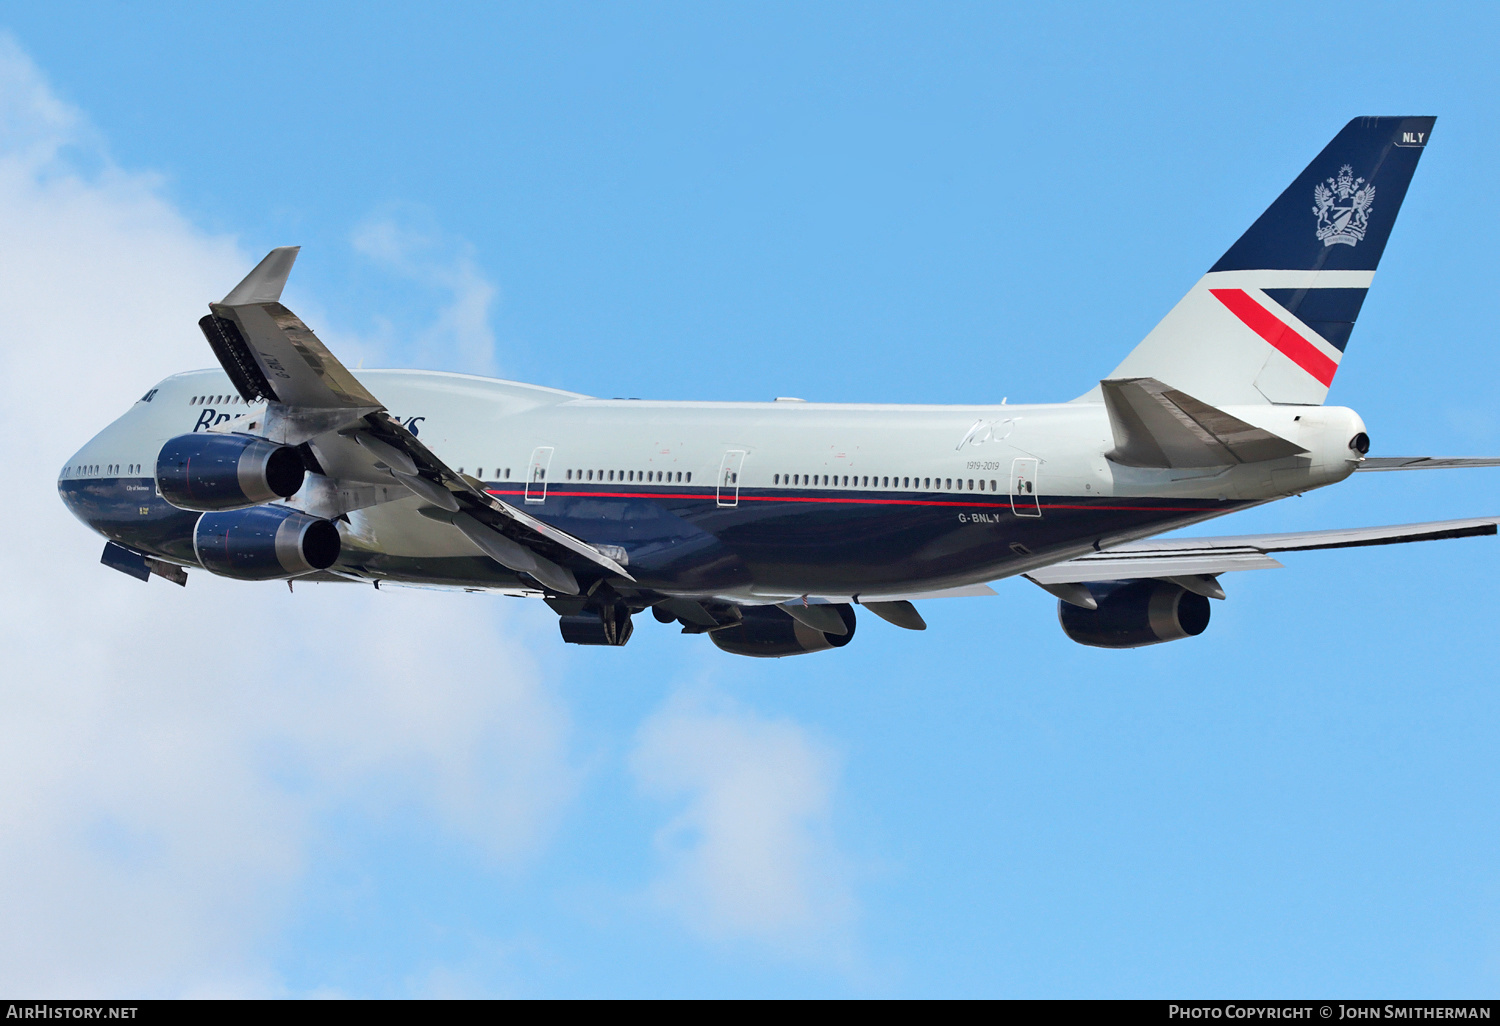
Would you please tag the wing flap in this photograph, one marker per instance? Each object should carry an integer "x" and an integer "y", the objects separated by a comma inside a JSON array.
[{"x": 963, "y": 591}]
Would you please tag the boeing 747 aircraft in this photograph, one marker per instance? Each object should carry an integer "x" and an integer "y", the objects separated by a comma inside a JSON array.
[{"x": 763, "y": 525}]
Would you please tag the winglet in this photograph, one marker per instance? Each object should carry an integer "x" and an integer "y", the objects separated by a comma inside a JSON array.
[{"x": 264, "y": 284}]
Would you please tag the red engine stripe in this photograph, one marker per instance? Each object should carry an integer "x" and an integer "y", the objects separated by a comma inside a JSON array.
[{"x": 1275, "y": 331}]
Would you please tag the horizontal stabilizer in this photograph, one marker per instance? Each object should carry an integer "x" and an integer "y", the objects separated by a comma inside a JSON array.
[
  {"x": 1158, "y": 426},
  {"x": 1424, "y": 463}
]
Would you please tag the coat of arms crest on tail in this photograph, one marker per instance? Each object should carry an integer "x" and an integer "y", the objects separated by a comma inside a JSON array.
[{"x": 1343, "y": 208}]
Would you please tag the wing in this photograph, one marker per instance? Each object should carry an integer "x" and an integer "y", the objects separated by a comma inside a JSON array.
[
  {"x": 1423, "y": 463},
  {"x": 367, "y": 457},
  {"x": 1199, "y": 557}
]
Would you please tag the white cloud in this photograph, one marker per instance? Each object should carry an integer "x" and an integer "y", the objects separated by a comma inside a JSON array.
[
  {"x": 408, "y": 244},
  {"x": 168, "y": 752},
  {"x": 751, "y": 854}
]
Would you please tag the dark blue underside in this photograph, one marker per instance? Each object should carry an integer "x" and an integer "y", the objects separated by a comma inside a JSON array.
[{"x": 802, "y": 540}]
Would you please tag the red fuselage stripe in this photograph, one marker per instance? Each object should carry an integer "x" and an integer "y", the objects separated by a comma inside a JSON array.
[
  {"x": 1002, "y": 505},
  {"x": 1271, "y": 328}
]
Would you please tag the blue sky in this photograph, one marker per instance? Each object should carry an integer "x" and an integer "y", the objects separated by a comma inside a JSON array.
[{"x": 235, "y": 790}]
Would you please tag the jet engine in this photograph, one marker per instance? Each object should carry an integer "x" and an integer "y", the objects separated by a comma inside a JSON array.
[
  {"x": 217, "y": 472},
  {"x": 1135, "y": 613},
  {"x": 768, "y": 632},
  {"x": 265, "y": 543}
]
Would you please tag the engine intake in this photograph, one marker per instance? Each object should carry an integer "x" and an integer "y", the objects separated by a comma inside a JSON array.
[
  {"x": 265, "y": 543},
  {"x": 767, "y": 632},
  {"x": 1135, "y": 613},
  {"x": 211, "y": 472}
]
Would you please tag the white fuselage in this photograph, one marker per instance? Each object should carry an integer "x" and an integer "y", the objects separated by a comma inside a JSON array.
[{"x": 756, "y": 501}]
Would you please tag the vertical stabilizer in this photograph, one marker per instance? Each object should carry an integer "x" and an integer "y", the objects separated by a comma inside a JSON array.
[{"x": 1270, "y": 321}]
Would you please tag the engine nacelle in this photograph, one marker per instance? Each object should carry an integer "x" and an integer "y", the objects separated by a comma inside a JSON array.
[
  {"x": 213, "y": 472},
  {"x": 265, "y": 543},
  {"x": 770, "y": 633},
  {"x": 1135, "y": 613}
]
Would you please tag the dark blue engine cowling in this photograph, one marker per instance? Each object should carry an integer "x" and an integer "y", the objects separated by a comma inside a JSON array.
[
  {"x": 265, "y": 543},
  {"x": 769, "y": 633},
  {"x": 215, "y": 472},
  {"x": 1135, "y": 613}
]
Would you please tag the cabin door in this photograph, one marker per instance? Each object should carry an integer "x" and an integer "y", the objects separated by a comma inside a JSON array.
[
  {"x": 1023, "y": 498},
  {"x": 536, "y": 474},
  {"x": 729, "y": 477}
]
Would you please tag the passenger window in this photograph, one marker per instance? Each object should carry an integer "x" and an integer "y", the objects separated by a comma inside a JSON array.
[
  {"x": 971, "y": 486},
  {"x": 690, "y": 476}
]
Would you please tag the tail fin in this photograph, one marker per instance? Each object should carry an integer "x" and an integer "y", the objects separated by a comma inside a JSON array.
[{"x": 1269, "y": 322}]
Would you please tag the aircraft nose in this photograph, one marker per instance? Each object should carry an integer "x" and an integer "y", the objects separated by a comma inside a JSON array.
[{"x": 72, "y": 485}]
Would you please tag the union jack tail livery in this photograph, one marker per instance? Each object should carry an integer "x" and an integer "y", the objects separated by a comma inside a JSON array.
[{"x": 1269, "y": 322}]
